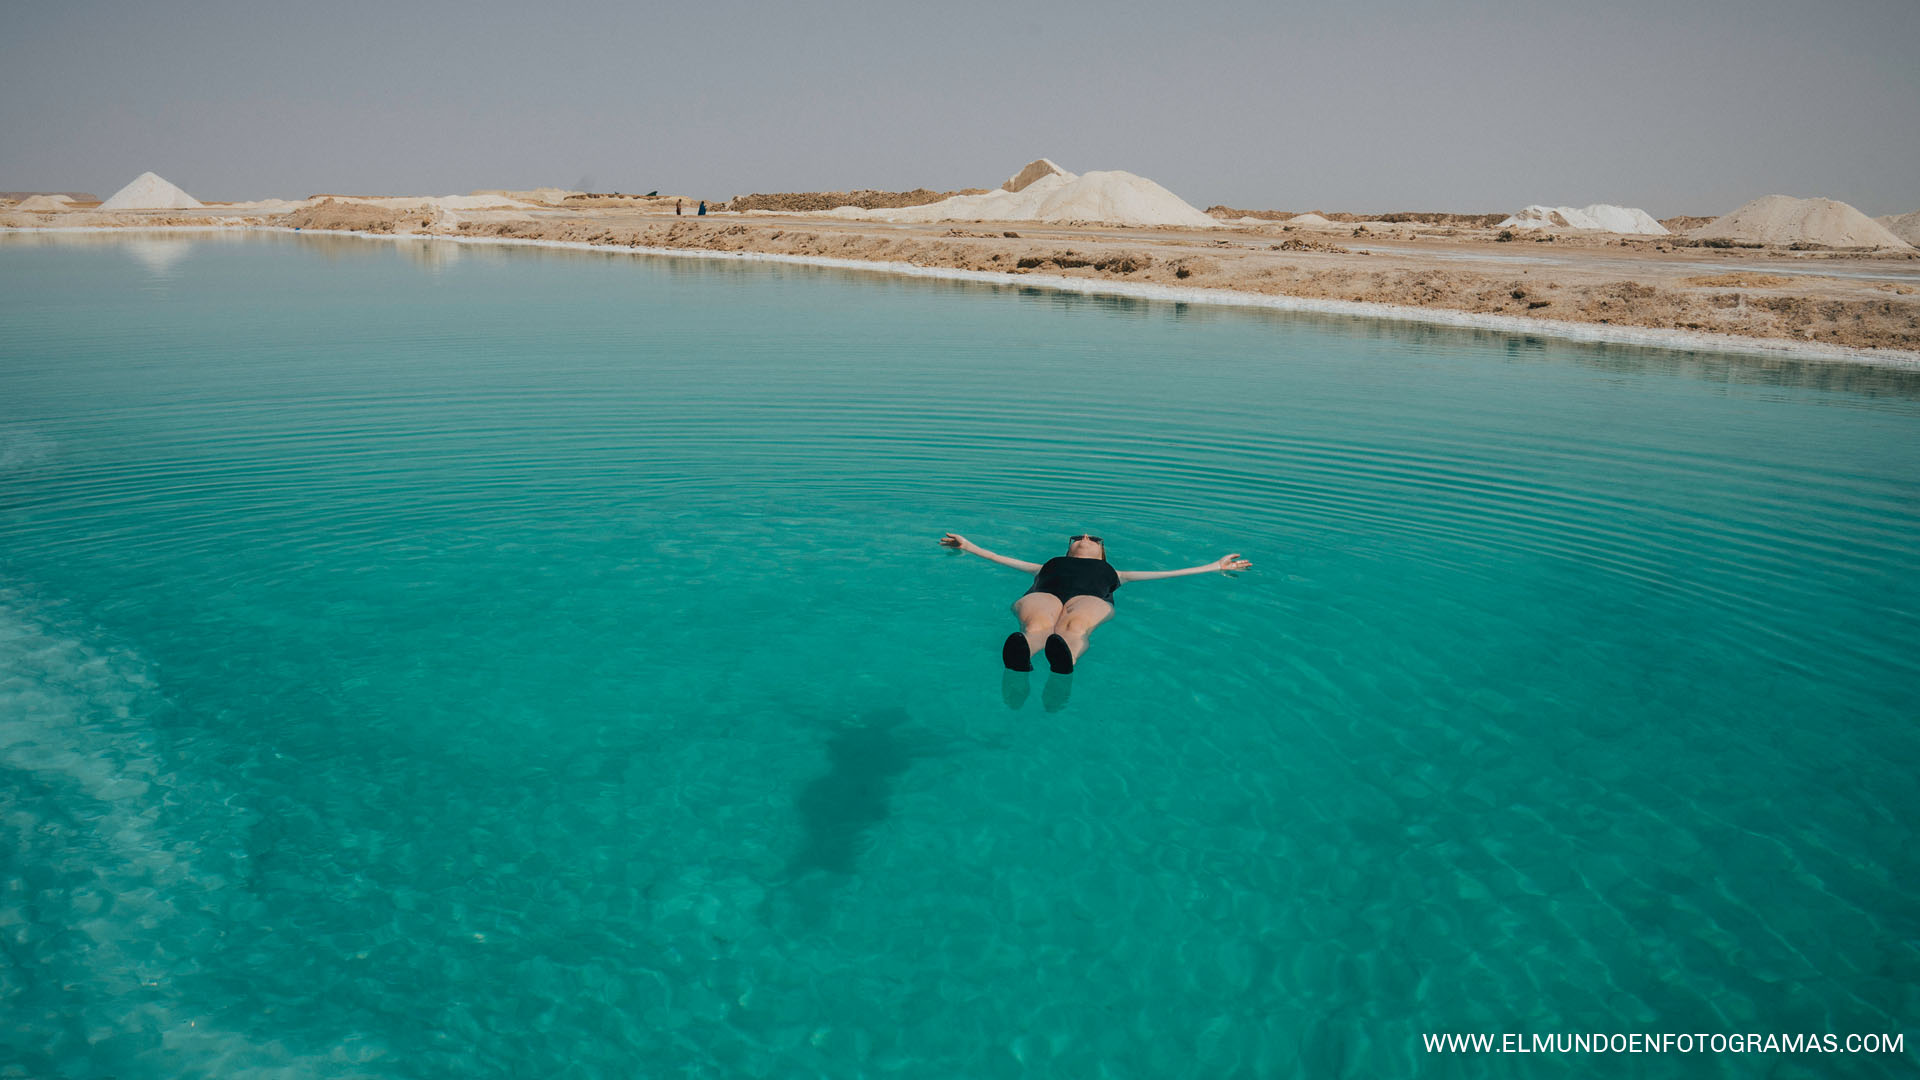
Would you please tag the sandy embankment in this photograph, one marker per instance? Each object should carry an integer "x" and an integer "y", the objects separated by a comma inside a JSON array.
[
  {"x": 1750, "y": 293},
  {"x": 1855, "y": 301}
]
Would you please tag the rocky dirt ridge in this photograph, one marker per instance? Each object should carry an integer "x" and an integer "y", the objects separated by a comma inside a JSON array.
[{"x": 866, "y": 199}]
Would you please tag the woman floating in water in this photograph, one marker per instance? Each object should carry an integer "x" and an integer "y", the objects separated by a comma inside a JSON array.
[{"x": 1071, "y": 594}]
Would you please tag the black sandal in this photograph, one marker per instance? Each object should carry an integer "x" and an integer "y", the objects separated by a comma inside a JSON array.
[
  {"x": 1059, "y": 657},
  {"x": 1015, "y": 654}
]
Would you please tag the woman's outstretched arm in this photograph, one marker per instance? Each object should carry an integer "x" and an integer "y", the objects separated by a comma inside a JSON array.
[
  {"x": 955, "y": 540},
  {"x": 1225, "y": 562}
]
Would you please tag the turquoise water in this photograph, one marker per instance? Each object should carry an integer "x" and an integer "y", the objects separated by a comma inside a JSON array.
[{"x": 420, "y": 661}]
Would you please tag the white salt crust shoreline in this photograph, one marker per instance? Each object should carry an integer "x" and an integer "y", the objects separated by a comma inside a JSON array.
[{"x": 1683, "y": 340}]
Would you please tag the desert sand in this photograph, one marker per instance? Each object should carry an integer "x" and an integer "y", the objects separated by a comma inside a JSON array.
[{"x": 1786, "y": 291}]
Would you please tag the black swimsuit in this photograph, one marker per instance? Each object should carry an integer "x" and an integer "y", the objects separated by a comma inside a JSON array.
[{"x": 1067, "y": 577}]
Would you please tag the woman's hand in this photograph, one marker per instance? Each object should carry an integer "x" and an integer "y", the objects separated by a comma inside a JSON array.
[
  {"x": 961, "y": 543},
  {"x": 1232, "y": 562}
]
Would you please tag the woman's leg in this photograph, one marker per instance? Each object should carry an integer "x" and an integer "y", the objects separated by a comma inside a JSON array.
[
  {"x": 1037, "y": 612},
  {"x": 1078, "y": 617}
]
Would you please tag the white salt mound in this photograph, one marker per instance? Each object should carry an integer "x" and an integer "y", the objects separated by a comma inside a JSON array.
[
  {"x": 150, "y": 192},
  {"x": 44, "y": 203},
  {"x": 1780, "y": 220},
  {"x": 1630, "y": 220},
  {"x": 1600, "y": 217},
  {"x": 1114, "y": 198},
  {"x": 1121, "y": 198},
  {"x": 1904, "y": 226},
  {"x": 1311, "y": 221},
  {"x": 1033, "y": 170}
]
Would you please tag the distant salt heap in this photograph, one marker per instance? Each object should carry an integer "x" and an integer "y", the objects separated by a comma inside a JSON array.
[
  {"x": 1904, "y": 226},
  {"x": 150, "y": 192},
  {"x": 44, "y": 204},
  {"x": 1781, "y": 220},
  {"x": 1599, "y": 217},
  {"x": 1113, "y": 198}
]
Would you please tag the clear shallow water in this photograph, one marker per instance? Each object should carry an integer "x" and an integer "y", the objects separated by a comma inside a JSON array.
[{"x": 421, "y": 661}]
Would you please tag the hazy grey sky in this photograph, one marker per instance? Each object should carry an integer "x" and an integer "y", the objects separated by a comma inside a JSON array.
[{"x": 1677, "y": 106}]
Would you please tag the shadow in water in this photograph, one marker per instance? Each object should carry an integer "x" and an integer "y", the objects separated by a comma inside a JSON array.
[{"x": 840, "y": 807}]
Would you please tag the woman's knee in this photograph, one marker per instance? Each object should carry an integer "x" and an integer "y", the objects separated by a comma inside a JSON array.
[{"x": 1074, "y": 625}]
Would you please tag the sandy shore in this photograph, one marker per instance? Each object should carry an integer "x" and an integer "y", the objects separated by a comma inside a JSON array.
[{"x": 1810, "y": 302}]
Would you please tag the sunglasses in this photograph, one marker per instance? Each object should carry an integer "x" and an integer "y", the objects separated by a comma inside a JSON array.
[{"x": 1084, "y": 536}]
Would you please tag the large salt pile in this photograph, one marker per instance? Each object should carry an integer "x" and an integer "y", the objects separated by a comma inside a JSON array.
[
  {"x": 150, "y": 192},
  {"x": 1601, "y": 217},
  {"x": 1629, "y": 220},
  {"x": 1904, "y": 226},
  {"x": 1781, "y": 220},
  {"x": 1113, "y": 198}
]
